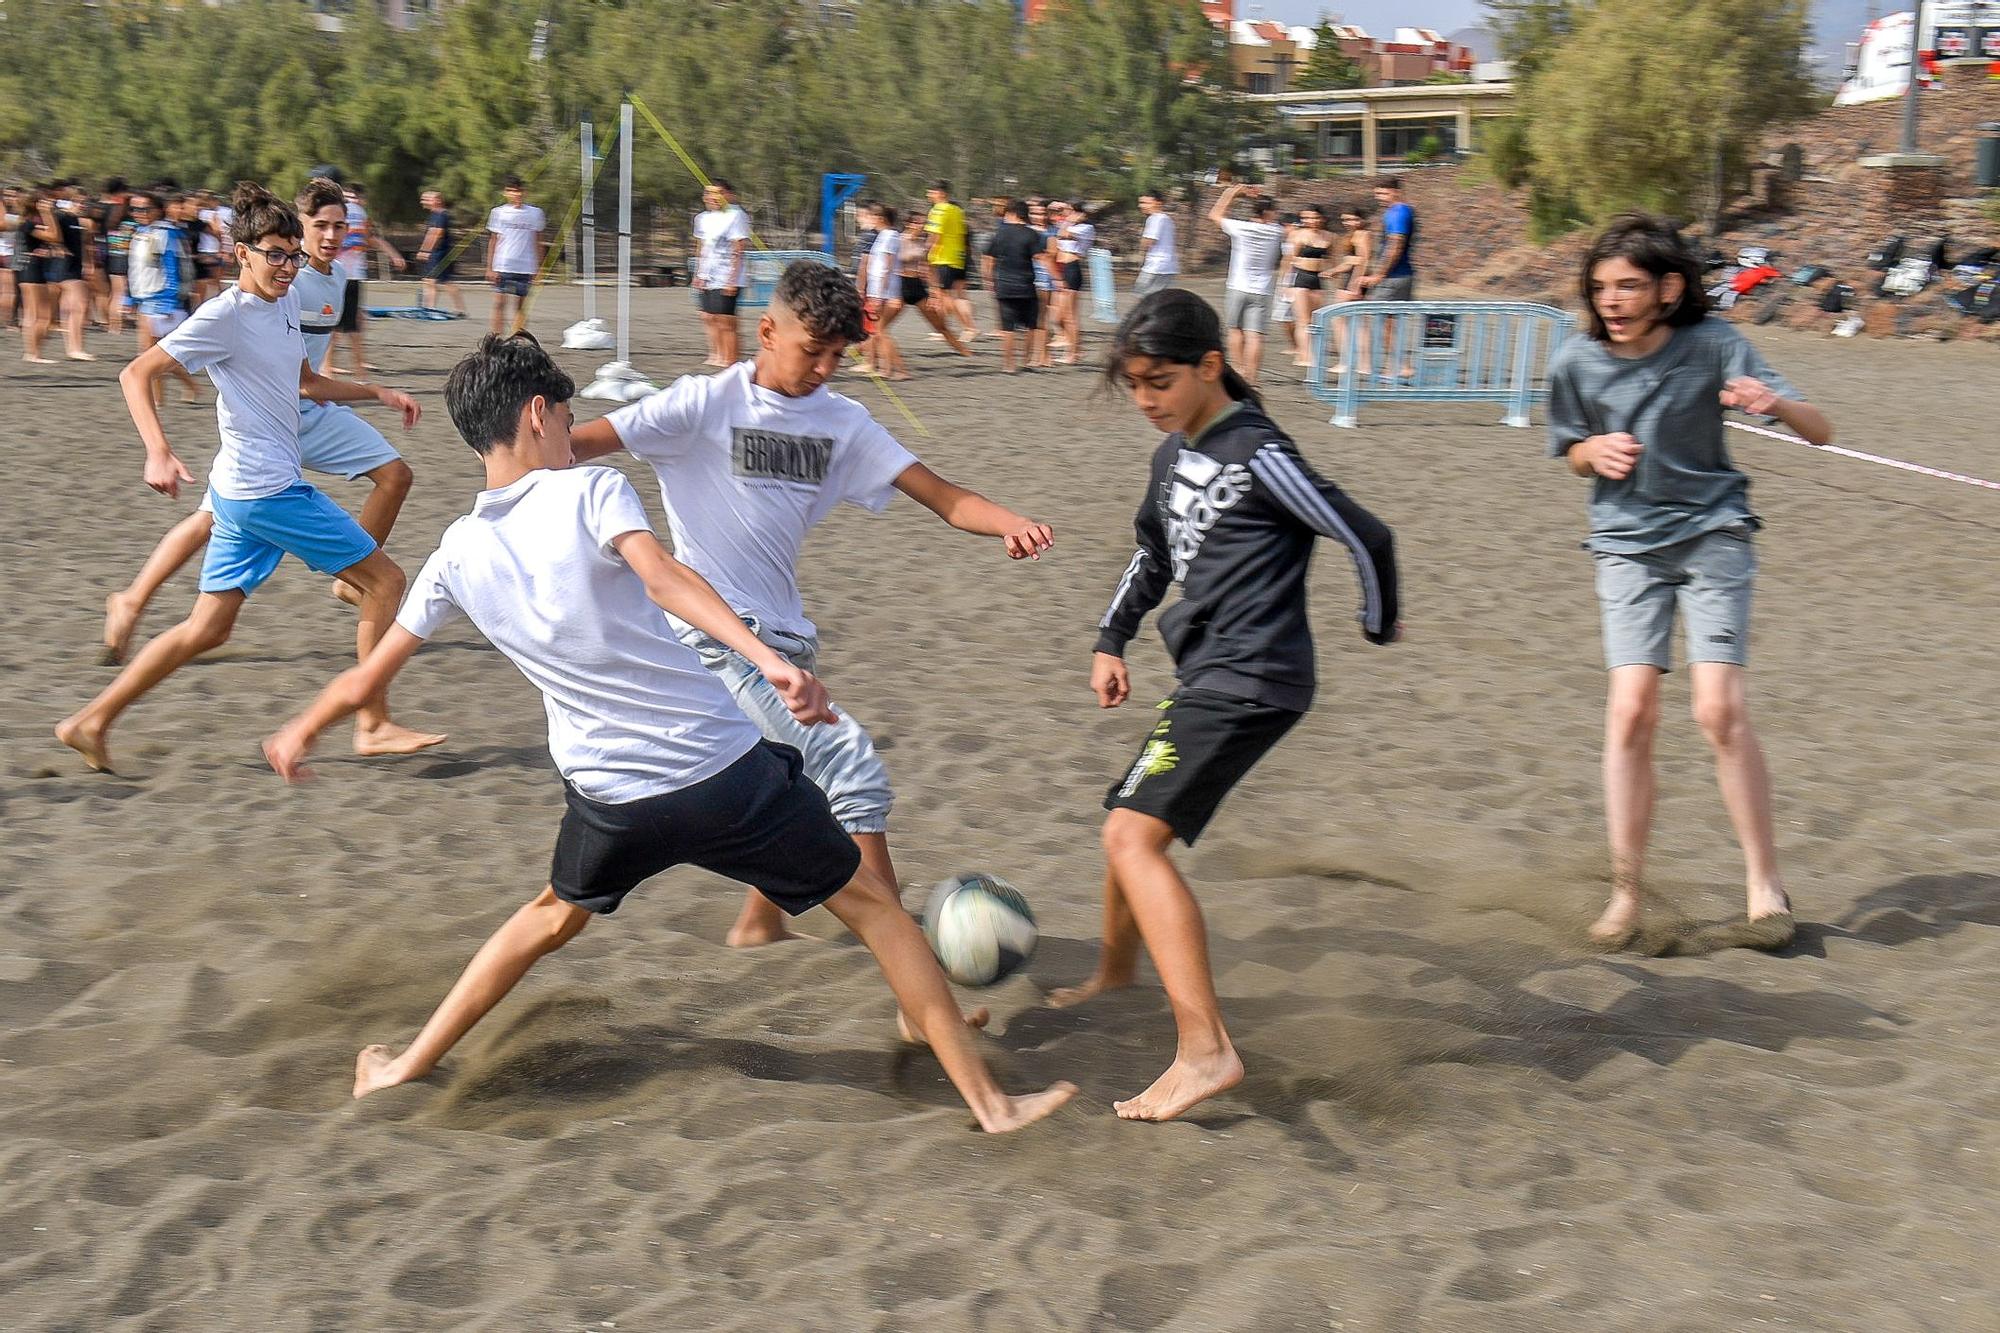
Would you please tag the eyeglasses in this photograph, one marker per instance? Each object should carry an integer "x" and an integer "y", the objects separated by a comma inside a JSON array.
[{"x": 277, "y": 258}]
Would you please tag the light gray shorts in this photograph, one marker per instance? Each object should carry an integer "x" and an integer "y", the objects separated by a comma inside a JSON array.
[
  {"x": 1248, "y": 311},
  {"x": 840, "y": 758},
  {"x": 1394, "y": 289},
  {"x": 1148, "y": 283},
  {"x": 1706, "y": 578}
]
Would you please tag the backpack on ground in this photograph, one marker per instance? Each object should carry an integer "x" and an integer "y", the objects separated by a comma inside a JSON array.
[{"x": 1885, "y": 255}]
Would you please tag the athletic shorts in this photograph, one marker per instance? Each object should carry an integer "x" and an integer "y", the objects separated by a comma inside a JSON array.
[
  {"x": 162, "y": 325},
  {"x": 1394, "y": 289},
  {"x": 760, "y": 822},
  {"x": 252, "y": 536},
  {"x": 513, "y": 284},
  {"x": 716, "y": 301},
  {"x": 840, "y": 757},
  {"x": 442, "y": 270},
  {"x": 1072, "y": 275},
  {"x": 28, "y": 271},
  {"x": 1306, "y": 282},
  {"x": 336, "y": 440},
  {"x": 207, "y": 266},
  {"x": 1201, "y": 747},
  {"x": 1707, "y": 579},
  {"x": 948, "y": 276},
  {"x": 115, "y": 265},
  {"x": 915, "y": 291},
  {"x": 350, "y": 307},
  {"x": 57, "y": 269},
  {"x": 1019, "y": 313},
  {"x": 1148, "y": 283},
  {"x": 1248, "y": 311}
]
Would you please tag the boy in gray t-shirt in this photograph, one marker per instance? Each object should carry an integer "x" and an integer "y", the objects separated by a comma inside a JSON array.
[{"x": 1637, "y": 406}]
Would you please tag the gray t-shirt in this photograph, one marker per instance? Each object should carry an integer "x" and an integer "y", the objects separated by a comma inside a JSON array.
[{"x": 1684, "y": 484}]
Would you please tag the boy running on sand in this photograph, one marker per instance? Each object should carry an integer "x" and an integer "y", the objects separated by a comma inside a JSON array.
[
  {"x": 248, "y": 340},
  {"x": 749, "y": 461},
  {"x": 659, "y": 766},
  {"x": 1230, "y": 514},
  {"x": 1637, "y": 406}
]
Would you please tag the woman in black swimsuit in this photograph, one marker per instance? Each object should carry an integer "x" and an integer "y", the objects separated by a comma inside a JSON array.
[{"x": 1311, "y": 245}]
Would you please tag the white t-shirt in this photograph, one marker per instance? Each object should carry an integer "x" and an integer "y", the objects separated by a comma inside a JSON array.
[
  {"x": 207, "y": 242},
  {"x": 746, "y": 472},
  {"x": 885, "y": 265},
  {"x": 1076, "y": 241},
  {"x": 519, "y": 227},
  {"x": 718, "y": 230},
  {"x": 353, "y": 258},
  {"x": 632, "y": 711},
  {"x": 252, "y": 350},
  {"x": 1254, "y": 249},
  {"x": 1162, "y": 257}
]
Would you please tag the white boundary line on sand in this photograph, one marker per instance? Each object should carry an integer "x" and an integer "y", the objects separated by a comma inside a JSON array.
[{"x": 1867, "y": 458}]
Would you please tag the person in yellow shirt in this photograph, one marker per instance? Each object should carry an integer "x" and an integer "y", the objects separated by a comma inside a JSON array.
[{"x": 946, "y": 225}]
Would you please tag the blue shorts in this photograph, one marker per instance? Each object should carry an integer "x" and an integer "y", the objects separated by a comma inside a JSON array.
[
  {"x": 252, "y": 536},
  {"x": 337, "y": 440}
]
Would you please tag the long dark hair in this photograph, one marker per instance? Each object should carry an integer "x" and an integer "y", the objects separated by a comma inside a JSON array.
[
  {"x": 1656, "y": 246},
  {"x": 1177, "y": 327}
]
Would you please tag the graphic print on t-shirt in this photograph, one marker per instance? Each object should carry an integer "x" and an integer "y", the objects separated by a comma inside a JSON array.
[
  {"x": 1199, "y": 492},
  {"x": 769, "y": 455}
]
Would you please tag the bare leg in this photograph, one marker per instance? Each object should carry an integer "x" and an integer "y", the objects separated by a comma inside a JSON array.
[
  {"x": 762, "y": 922},
  {"x": 1721, "y": 706},
  {"x": 34, "y": 321},
  {"x": 499, "y": 312},
  {"x": 381, "y": 583},
  {"x": 1117, "y": 953},
  {"x": 9, "y": 299},
  {"x": 378, "y": 512},
  {"x": 731, "y": 344},
  {"x": 1631, "y": 718},
  {"x": 929, "y": 310},
  {"x": 961, "y": 302},
  {"x": 1305, "y": 302},
  {"x": 87, "y": 731},
  {"x": 1236, "y": 349},
  {"x": 1205, "y": 1063},
  {"x": 116, "y": 310},
  {"x": 540, "y": 928},
  {"x": 75, "y": 307},
  {"x": 1253, "y": 355},
  {"x": 122, "y": 609}
]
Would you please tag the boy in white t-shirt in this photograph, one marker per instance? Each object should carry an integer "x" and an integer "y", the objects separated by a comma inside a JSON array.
[
  {"x": 514, "y": 251},
  {"x": 1255, "y": 249},
  {"x": 722, "y": 236},
  {"x": 248, "y": 341},
  {"x": 1161, "y": 253},
  {"x": 748, "y": 461},
  {"x": 659, "y": 766}
]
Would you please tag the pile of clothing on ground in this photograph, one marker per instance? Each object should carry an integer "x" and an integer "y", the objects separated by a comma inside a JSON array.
[{"x": 1907, "y": 268}]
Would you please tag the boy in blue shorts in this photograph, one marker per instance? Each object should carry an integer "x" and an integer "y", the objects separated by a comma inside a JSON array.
[
  {"x": 332, "y": 438},
  {"x": 659, "y": 767},
  {"x": 249, "y": 341}
]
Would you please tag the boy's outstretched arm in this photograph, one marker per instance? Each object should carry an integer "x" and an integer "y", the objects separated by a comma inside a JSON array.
[
  {"x": 595, "y": 439},
  {"x": 326, "y": 389},
  {"x": 1753, "y": 397},
  {"x": 969, "y": 511},
  {"x": 1289, "y": 482},
  {"x": 164, "y": 471},
  {"x": 348, "y": 692},
  {"x": 689, "y": 597}
]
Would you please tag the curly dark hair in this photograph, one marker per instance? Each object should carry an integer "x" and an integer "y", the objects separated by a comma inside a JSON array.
[
  {"x": 259, "y": 213},
  {"x": 824, "y": 301},
  {"x": 488, "y": 390}
]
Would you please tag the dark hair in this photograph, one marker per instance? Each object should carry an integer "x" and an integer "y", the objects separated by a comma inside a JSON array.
[
  {"x": 1657, "y": 246},
  {"x": 723, "y": 185},
  {"x": 1360, "y": 208},
  {"x": 943, "y": 187},
  {"x": 511, "y": 182},
  {"x": 1154, "y": 195},
  {"x": 1080, "y": 206},
  {"x": 1389, "y": 183},
  {"x": 823, "y": 299},
  {"x": 176, "y": 197},
  {"x": 1176, "y": 326},
  {"x": 116, "y": 185},
  {"x": 887, "y": 214},
  {"x": 1263, "y": 206},
  {"x": 132, "y": 200},
  {"x": 488, "y": 390},
  {"x": 1016, "y": 209},
  {"x": 320, "y": 192},
  {"x": 259, "y": 213}
]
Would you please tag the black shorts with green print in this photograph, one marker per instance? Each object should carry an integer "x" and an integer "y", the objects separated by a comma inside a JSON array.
[{"x": 1201, "y": 746}]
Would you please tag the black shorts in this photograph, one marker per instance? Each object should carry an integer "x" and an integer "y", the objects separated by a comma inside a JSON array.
[
  {"x": 1306, "y": 282},
  {"x": 1202, "y": 746},
  {"x": 1072, "y": 275},
  {"x": 715, "y": 301},
  {"x": 58, "y": 269},
  {"x": 915, "y": 291},
  {"x": 948, "y": 276},
  {"x": 350, "y": 307},
  {"x": 513, "y": 284},
  {"x": 28, "y": 270},
  {"x": 1018, "y": 313},
  {"x": 760, "y": 822},
  {"x": 442, "y": 270},
  {"x": 115, "y": 265},
  {"x": 207, "y": 266}
]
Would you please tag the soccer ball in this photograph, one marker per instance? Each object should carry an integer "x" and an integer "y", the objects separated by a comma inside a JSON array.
[{"x": 980, "y": 928}]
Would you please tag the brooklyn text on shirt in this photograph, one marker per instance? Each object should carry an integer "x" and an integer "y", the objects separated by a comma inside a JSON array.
[{"x": 770, "y": 455}]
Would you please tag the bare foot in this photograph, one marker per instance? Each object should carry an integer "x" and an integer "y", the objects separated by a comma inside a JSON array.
[
  {"x": 1185, "y": 1083},
  {"x": 1020, "y": 1111},
  {"x": 377, "y": 1068},
  {"x": 38, "y": 360},
  {"x": 1618, "y": 924},
  {"x": 1768, "y": 902},
  {"x": 86, "y": 740},
  {"x": 121, "y": 618},
  {"x": 757, "y": 934},
  {"x": 81, "y": 356},
  {"x": 344, "y": 592},
  {"x": 974, "y": 1018},
  {"x": 392, "y": 739},
  {"x": 1068, "y": 997}
]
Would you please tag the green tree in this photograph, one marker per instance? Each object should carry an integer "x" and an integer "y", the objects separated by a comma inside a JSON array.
[
  {"x": 1328, "y": 66},
  {"x": 1530, "y": 31}
]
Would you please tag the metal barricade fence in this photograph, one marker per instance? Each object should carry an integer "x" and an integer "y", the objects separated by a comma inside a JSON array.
[
  {"x": 763, "y": 268},
  {"x": 1434, "y": 352},
  {"x": 1103, "y": 288}
]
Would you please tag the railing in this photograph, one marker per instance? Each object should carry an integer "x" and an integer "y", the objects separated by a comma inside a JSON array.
[
  {"x": 1434, "y": 352},
  {"x": 763, "y": 268}
]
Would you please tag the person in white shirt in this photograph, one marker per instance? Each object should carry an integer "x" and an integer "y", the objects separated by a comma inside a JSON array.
[
  {"x": 1255, "y": 249},
  {"x": 361, "y": 237},
  {"x": 748, "y": 462},
  {"x": 514, "y": 253},
  {"x": 722, "y": 237},
  {"x": 881, "y": 282},
  {"x": 659, "y": 767},
  {"x": 1160, "y": 252},
  {"x": 332, "y": 437},
  {"x": 249, "y": 342}
]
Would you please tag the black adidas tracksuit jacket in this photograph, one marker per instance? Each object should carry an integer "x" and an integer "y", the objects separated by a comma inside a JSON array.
[{"x": 1232, "y": 520}]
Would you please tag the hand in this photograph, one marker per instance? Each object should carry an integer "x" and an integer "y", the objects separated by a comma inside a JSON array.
[
  {"x": 423, "y": 256},
  {"x": 165, "y": 473},
  {"x": 492, "y": 276},
  {"x": 730, "y": 291},
  {"x": 1029, "y": 541},
  {"x": 402, "y": 402},
  {"x": 399, "y": 262},
  {"x": 1753, "y": 396},
  {"x": 802, "y": 693},
  {"x": 1611, "y": 456},
  {"x": 1109, "y": 680},
  {"x": 287, "y": 750},
  {"x": 1365, "y": 283}
]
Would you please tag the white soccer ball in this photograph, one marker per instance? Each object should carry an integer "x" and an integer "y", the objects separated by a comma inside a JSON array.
[{"x": 980, "y": 928}]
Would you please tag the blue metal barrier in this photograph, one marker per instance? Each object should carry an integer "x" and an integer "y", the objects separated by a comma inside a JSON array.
[
  {"x": 1434, "y": 352},
  {"x": 1103, "y": 288},
  {"x": 763, "y": 268}
]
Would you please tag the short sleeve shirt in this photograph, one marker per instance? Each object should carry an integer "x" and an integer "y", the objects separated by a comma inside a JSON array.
[
  {"x": 718, "y": 231},
  {"x": 631, "y": 710},
  {"x": 353, "y": 260},
  {"x": 518, "y": 228},
  {"x": 440, "y": 218},
  {"x": 1254, "y": 248},
  {"x": 252, "y": 349},
  {"x": 1163, "y": 257},
  {"x": 883, "y": 255},
  {"x": 1014, "y": 249},
  {"x": 746, "y": 472},
  {"x": 946, "y": 224},
  {"x": 1401, "y": 220}
]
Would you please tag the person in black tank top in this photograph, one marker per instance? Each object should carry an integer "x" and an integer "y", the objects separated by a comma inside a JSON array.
[{"x": 1311, "y": 244}]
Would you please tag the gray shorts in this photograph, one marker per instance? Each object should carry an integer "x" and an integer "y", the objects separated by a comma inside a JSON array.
[
  {"x": 1148, "y": 283},
  {"x": 1248, "y": 311},
  {"x": 840, "y": 758},
  {"x": 1394, "y": 289},
  {"x": 1707, "y": 578}
]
